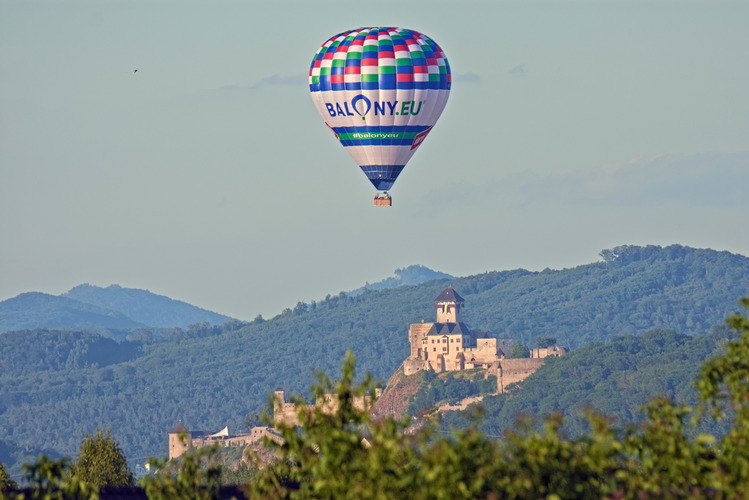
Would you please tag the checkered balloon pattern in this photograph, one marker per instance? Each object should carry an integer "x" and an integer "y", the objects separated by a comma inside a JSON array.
[{"x": 380, "y": 90}]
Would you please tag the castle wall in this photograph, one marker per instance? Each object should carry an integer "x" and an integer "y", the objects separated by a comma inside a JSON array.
[
  {"x": 284, "y": 413},
  {"x": 178, "y": 447},
  {"x": 416, "y": 334},
  {"x": 256, "y": 434},
  {"x": 553, "y": 350},
  {"x": 510, "y": 371},
  {"x": 414, "y": 365},
  {"x": 287, "y": 414},
  {"x": 483, "y": 355}
]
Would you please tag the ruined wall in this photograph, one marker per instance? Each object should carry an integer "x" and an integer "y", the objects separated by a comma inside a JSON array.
[
  {"x": 509, "y": 371},
  {"x": 414, "y": 365},
  {"x": 256, "y": 434},
  {"x": 287, "y": 414},
  {"x": 177, "y": 447},
  {"x": 546, "y": 352},
  {"x": 284, "y": 413}
]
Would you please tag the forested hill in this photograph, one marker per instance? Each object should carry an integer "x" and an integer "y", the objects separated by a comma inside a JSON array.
[
  {"x": 213, "y": 376},
  {"x": 40, "y": 310},
  {"x": 111, "y": 310},
  {"x": 633, "y": 290},
  {"x": 411, "y": 275},
  {"x": 145, "y": 307},
  {"x": 616, "y": 378}
]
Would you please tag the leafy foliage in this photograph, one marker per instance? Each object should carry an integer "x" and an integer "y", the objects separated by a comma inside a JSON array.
[
  {"x": 6, "y": 482},
  {"x": 544, "y": 342},
  {"x": 101, "y": 462},
  {"x": 520, "y": 351},
  {"x": 196, "y": 475},
  {"x": 49, "y": 479},
  {"x": 724, "y": 386}
]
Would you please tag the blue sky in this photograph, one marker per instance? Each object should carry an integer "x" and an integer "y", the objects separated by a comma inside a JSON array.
[{"x": 208, "y": 176}]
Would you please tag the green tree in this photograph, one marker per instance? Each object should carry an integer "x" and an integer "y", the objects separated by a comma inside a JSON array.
[
  {"x": 520, "y": 351},
  {"x": 252, "y": 419},
  {"x": 544, "y": 342},
  {"x": 101, "y": 461},
  {"x": 724, "y": 387},
  {"x": 196, "y": 475},
  {"x": 6, "y": 482},
  {"x": 51, "y": 480}
]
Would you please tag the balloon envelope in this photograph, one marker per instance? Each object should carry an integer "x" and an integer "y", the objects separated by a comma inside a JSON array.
[{"x": 380, "y": 90}]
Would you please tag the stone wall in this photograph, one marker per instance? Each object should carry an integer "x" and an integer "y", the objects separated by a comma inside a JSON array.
[
  {"x": 510, "y": 371},
  {"x": 178, "y": 447},
  {"x": 416, "y": 333},
  {"x": 547, "y": 352},
  {"x": 288, "y": 413}
]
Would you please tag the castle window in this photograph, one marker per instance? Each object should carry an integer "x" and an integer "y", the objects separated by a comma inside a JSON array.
[
  {"x": 444, "y": 349},
  {"x": 434, "y": 349}
]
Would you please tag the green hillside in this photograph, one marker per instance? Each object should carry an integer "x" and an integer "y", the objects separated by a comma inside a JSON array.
[
  {"x": 209, "y": 377},
  {"x": 615, "y": 378}
]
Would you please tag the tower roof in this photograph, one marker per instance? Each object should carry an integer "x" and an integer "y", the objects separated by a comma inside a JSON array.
[
  {"x": 179, "y": 428},
  {"x": 449, "y": 295},
  {"x": 448, "y": 329}
]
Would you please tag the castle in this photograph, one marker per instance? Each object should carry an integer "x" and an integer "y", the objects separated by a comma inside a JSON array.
[
  {"x": 445, "y": 345},
  {"x": 448, "y": 345},
  {"x": 180, "y": 439}
]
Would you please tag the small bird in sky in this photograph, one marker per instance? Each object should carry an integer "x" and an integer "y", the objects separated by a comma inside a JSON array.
[{"x": 136, "y": 70}]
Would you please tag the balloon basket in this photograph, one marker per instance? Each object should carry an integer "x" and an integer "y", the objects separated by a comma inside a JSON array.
[{"x": 383, "y": 200}]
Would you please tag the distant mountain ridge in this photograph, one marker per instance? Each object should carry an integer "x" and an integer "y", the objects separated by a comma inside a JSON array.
[
  {"x": 118, "y": 308},
  {"x": 41, "y": 310},
  {"x": 411, "y": 275},
  {"x": 91, "y": 307},
  {"x": 145, "y": 307}
]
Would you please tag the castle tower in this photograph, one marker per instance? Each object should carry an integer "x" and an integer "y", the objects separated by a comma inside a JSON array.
[
  {"x": 178, "y": 445},
  {"x": 279, "y": 402},
  {"x": 448, "y": 306}
]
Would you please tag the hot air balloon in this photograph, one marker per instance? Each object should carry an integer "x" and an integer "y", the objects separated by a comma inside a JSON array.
[{"x": 380, "y": 90}]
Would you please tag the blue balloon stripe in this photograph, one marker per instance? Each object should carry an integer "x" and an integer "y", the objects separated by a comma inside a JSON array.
[
  {"x": 382, "y": 176},
  {"x": 377, "y": 142}
]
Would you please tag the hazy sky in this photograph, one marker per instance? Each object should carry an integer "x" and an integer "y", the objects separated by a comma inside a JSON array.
[{"x": 208, "y": 176}]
